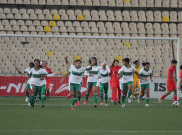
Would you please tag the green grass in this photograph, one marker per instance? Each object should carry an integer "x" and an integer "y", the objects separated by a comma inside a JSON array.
[{"x": 16, "y": 118}]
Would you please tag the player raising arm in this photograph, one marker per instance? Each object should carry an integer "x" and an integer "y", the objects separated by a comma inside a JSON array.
[
  {"x": 171, "y": 82},
  {"x": 145, "y": 77},
  {"x": 126, "y": 72},
  {"x": 104, "y": 82},
  {"x": 75, "y": 73}
]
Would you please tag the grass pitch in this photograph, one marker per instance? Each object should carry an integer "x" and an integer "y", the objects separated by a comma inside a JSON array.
[{"x": 16, "y": 118}]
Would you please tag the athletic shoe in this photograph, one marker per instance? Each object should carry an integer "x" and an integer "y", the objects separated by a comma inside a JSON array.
[
  {"x": 123, "y": 105},
  {"x": 112, "y": 101},
  {"x": 78, "y": 103},
  {"x": 68, "y": 96},
  {"x": 29, "y": 104},
  {"x": 32, "y": 105},
  {"x": 101, "y": 103},
  {"x": 115, "y": 103},
  {"x": 138, "y": 101},
  {"x": 85, "y": 102},
  {"x": 129, "y": 100},
  {"x": 36, "y": 99},
  {"x": 72, "y": 108},
  {"x": 160, "y": 101},
  {"x": 42, "y": 106},
  {"x": 146, "y": 105},
  {"x": 26, "y": 99},
  {"x": 106, "y": 104},
  {"x": 95, "y": 105}
]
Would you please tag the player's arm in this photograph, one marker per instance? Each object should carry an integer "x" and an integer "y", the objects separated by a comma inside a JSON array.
[
  {"x": 67, "y": 62},
  {"x": 120, "y": 74},
  {"x": 174, "y": 78},
  {"x": 151, "y": 77},
  {"x": 19, "y": 71},
  {"x": 62, "y": 80},
  {"x": 89, "y": 68},
  {"x": 180, "y": 83}
]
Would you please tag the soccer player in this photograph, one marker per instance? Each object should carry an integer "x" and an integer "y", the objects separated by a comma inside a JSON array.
[
  {"x": 136, "y": 79},
  {"x": 49, "y": 71},
  {"x": 114, "y": 81},
  {"x": 145, "y": 77},
  {"x": 171, "y": 82},
  {"x": 126, "y": 72},
  {"x": 180, "y": 84},
  {"x": 28, "y": 83},
  {"x": 92, "y": 80},
  {"x": 103, "y": 82},
  {"x": 38, "y": 82},
  {"x": 75, "y": 73}
]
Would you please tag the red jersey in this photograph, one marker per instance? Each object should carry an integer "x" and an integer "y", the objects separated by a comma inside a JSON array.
[
  {"x": 172, "y": 71},
  {"x": 49, "y": 72},
  {"x": 114, "y": 72},
  {"x": 181, "y": 74}
]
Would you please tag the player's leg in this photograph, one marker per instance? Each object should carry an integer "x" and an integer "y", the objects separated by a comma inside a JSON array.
[
  {"x": 114, "y": 90},
  {"x": 32, "y": 96},
  {"x": 27, "y": 89},
  {"x": 142, "y": 92},
  {"x": 170, "y": 87},
  {"x": 101, "y": 86},
  {"x": 130, "y": 87},
  {"x": 79, "y": 94},
  {"x": 106, "y": 87},
  {"x": 95, "y": 88},
  {"x": 89, "y": 87},
  {"x": 138, "y": 86},
  {"x": 147, "y": 88},
  {"x": 124, "y": 93},
  {"x": 75, "y": 89},
  {"x": 43, "y": 89},
  {"x": 119, "y": 94},
  {"x": 134, "y": 87}
]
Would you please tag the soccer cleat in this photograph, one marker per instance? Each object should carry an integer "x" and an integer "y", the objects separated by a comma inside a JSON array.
[
  {"x": 78, "y": 103},
  {"x": 68, "y": 96},
  {"x": 95, "y": 105},
  {"x": 42, "y": 106},
  {"x": 119, "y": 102},
  {"x": 85, "y": 102},
  {"x": 123, "y": 105},
  {"x": 101, "y": 103},
  {"x": 106, "y": 104},
  {"x": 160, "y": 101},
  {"x": 129, "y": 100},
  {"x": 37, "y": 100},
  {"x": 26, "y": 99},
  {"x": 146, "y": 105},
  {"x": 72, "y": 108},
  {"x": 29, "y": 104},
  {"x": 138, "y": 101},
  {"x": 115, "y": 103}
]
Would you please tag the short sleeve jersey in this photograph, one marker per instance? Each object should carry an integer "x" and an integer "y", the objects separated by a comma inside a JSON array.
[
  {"x": 145, "y": 74},
  {"x": 104, "y": 74},
  {"x": 95, "y": 72},
  {"x": 172, "y": 71},
  {"x": 127, "y": 73}
]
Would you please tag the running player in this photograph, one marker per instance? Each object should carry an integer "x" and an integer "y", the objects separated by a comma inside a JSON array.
[
  {"x": 171, "y": 82},
  {"x": 92, "y": 80},
  {"x": 114, "y": 81},
  {"x": 75, "y": 73},
  {"x": 136, "y": 79},
  {"x": 145, "y": 78},
  {"x": 38, "y": 82},
  {"x": 103, "y": 82},
  {"x": 28, "y": 83},
  {"x": 126, "y": 72}
]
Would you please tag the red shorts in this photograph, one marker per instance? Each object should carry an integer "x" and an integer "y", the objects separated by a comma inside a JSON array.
[{"x": 171, "y": 86}]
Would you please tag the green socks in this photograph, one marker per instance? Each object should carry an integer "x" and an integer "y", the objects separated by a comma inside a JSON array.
[
  {"x": 79, "y": 96},
  {"x": 73, "y": 102},
  {"x": 95, "y": 98},
  {"x": 129, "y": 94},
  {"x": 123, "y": 97},
  {"x": 106, "y": 97},
  {"x": 32, "y": 99},
  {"x": 101, "y": 96},
  {"x": 147, "y": 100},
  {"x": 87, "y": 95},
  {"x": 42, "y": 99}
]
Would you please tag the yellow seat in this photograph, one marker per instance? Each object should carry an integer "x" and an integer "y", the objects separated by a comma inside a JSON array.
[
  {"x": 76, "y": 57},
  {"x": 56, "y": 17},
  {"x": 165, "y": 18},
  {"x": 127, "y": 44},
  {"x": 50, "y": 53},
  {"x": 52, "y": 23},
  {"x": 64, "y": 72},
  {"x": 126, "y": 0},
  {"x": 47, "y": 29},
  {"x": 119, "y": 58},
  {"x": 80, "y": 18}
]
